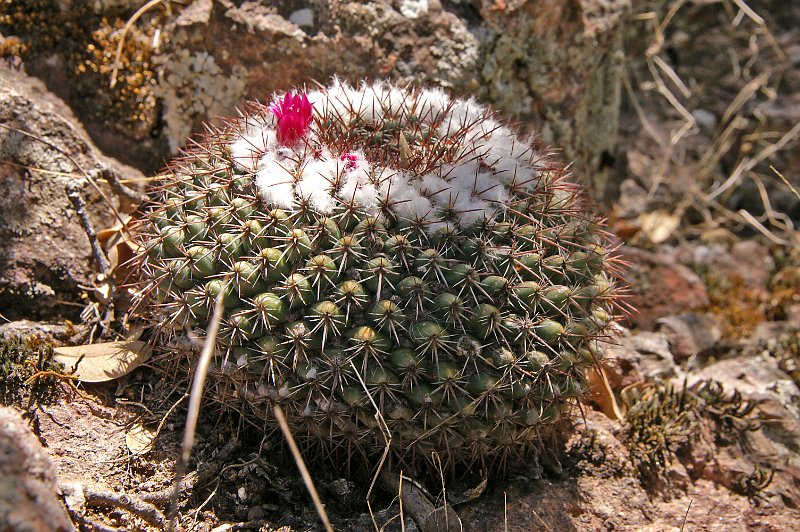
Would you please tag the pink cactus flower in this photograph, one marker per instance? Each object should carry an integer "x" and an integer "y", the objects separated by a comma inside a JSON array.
[
  {"x": 294, "y": 117},
  {"x": 350, "y": 161}
]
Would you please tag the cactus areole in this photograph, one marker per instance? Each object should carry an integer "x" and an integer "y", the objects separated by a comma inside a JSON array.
[{"x": 393, "y": 262}]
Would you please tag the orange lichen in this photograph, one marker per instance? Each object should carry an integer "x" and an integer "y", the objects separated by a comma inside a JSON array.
[
  {"x": 739, "y": 307},
  {"x": 131, "y": 101}
]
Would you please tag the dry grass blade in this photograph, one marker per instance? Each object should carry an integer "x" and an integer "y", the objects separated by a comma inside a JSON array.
[
  {"x": 786, "y": 181},
  {"x": 139, "y": 12},
  {"x": 301, "y": 465},
  {"x": 749, "y": 163},
  {"x": 758, "y": 226},
  {"x": 194, "y": 405},
  {"x": 686, "y": 515}
]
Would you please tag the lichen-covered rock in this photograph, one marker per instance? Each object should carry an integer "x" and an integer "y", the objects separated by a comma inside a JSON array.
[
  {"x": 28, "y": 487},
  {"x": 555, "y": 66},
  {"x": 388, "y": 252},
  {"x": 45, "y": 258}
]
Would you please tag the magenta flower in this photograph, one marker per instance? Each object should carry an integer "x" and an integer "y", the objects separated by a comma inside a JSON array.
[
  {"x": 294, "y": 117},
  {"x": 350, "y": 161}
]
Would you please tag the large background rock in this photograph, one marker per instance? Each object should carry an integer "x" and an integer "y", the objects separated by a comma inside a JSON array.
[
  {"x": 552, "y": 65},
  {"x": 45, "y": 257}
]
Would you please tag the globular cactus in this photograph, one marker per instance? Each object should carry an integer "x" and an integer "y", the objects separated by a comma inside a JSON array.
[{"x": 392, "y": 262}]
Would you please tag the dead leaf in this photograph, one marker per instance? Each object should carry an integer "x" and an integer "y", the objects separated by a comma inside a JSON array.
[
  {"x": 405, "y": 151},
  {"x": 140, "y": 439},
  {"x": 601, "y": 393},
  {"x": 103, "y": 362},
  {"x": 119, "y": 248},
  {"x": 658, "y": 225},
  {"x": 477, "y": 491}
]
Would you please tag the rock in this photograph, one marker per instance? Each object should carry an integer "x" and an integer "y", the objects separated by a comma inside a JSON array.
[
  {"x": 746, "y": 260},
  {"x": 690, "y": 334},
  {"x": 303, "y": 18},
  {"x": 661, "y": 286},
  {"x": 757, "y": 376},
  {"x": 45, "y": 259},
  {"x": 556, "y": 65},
  {"x": 644, "y": 354},
  {"x": 28, "y": 487},
  {"x": 753, "y": 371},
  {"x": 25, "y": 328}
]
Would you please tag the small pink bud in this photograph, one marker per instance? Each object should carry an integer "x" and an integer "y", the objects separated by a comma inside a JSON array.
[
  {"x": 294, "y": 117},
  {"x": 350, "y": 161}
]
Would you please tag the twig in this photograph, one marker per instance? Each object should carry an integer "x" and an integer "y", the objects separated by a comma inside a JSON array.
[
  {"x": 74, "y": 196},
  {"x": 505, "y": 511},
  {"x": 129, "y": 503},
  {"x": 758, "y": 226},
  {"x": 169, "y": 412},
  {"x": 208, "y": 499},
  {"x": 419, "y": 504},
  {"x": 77, "y": 165},
  {"x": 298, "y": 458},
  {"x": 385, "y": 432},
  {"x": 686, "y": 515},
  {"x": 118, "y": 186},
  {"x": 748, "y": 164},
  {"x": 194, "y": 404},
  {"x": 786, "y": 181}
]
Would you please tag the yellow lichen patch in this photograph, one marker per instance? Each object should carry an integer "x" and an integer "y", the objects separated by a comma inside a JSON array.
[
  {"x": 739, "y": 307},
  {"x": 34, "y": 23},
  {"x": 131, "y": 101}
]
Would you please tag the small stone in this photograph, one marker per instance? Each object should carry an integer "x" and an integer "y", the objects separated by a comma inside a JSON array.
[
  {"x": 661, "y": 285},
  {"x": 413, "y": 8},
  {"x": 705, "y": 119},
  {"x": 303, "y": 18},
  {"x": 690, "y": 334}
]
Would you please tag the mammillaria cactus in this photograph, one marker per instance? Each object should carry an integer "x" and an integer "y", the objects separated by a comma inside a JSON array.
[{"x": 390, "y": 260}]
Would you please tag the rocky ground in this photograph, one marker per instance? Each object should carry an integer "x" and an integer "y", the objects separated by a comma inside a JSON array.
[{"x": 706, "y": 430}]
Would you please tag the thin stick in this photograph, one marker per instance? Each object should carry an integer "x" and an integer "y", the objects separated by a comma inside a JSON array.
[
  {"x": 400, "y": 499},
  {"x": 301, "y": 465},
  {"x": 748, "y": 164},
  {"x": 505, "y": 511},
  {"x": 74, "y": 196},
  {"x": 194, "y": 405},
  {"x": 119, "y": 187},
  {"x": 758, "y": 226},
  {"x": 686, "y": 515},
  {"x": 83, "y": 172}
]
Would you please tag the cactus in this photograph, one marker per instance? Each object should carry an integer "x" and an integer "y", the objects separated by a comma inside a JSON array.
[{"x": 383, "y": 251}]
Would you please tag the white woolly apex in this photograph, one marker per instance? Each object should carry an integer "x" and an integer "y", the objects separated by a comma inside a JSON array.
[
  {"x": 251, "y": 145},
  {"x": 317, "y": 180},
  {"x": 275, "y": 181},
  {"x": 469, "y": 190}
]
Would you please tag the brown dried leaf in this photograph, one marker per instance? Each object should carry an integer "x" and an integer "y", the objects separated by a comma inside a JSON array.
[
  {"x": 658, "y": 225},
  {"x": 140, "y": 439},
  {"x": 601, "y": 393},
  {"x": 119, "y": 248},
  {"x": 103, "y": 362}
]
